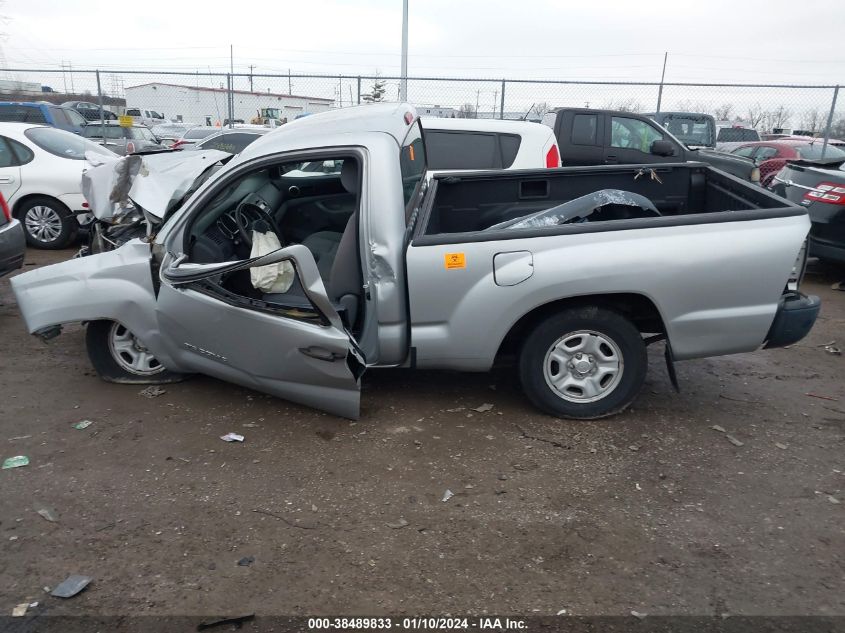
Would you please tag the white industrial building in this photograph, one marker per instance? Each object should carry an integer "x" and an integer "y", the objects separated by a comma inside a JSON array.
[{"x": 195, "y": 104}]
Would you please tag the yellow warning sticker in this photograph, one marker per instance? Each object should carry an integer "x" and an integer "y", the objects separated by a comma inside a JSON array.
[
  {"x": 455, "y": 260},
  {"x": 125, "y": 121}
]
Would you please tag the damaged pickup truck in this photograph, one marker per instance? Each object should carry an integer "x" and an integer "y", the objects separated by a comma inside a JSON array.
[{"x": 576, "y": 270}]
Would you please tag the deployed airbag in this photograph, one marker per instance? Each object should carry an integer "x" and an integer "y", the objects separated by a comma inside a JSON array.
[{"x": 272, "y": 278}]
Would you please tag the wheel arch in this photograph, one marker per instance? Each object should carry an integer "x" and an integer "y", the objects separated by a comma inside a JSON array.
[
  {"x": 638, "y": 308},
  {"x": 16, "y": 206}
]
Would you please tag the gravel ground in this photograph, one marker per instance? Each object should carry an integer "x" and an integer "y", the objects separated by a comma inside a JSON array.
[{"x": 654, "y": 510}]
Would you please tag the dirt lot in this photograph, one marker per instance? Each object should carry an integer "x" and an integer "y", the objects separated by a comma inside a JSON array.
[{"x": 653, "y": 510}]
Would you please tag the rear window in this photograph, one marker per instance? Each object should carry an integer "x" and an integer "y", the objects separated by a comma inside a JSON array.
[
  {"x": 133, "y": 112},
  {"x": 449, "y": 149},
  {"x": 813, "y": 151},
  {"x": 737, "y": 135},
  {"x": 233, "y": 143},
  {"x": 64, "y": 144},
  {"x": 200, "y": 132},
  {"x": 22, "y": 114},
  {"x": 412, "y": 161},
  {"x": 97, "y": 131},
  {"x": 689, "y": 130},
  {"x": 584, "y": 129}
]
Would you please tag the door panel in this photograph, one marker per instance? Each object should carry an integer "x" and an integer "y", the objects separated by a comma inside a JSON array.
[
  {"x": 283, "y": 352},
  {"x": 10, "y": 172}
]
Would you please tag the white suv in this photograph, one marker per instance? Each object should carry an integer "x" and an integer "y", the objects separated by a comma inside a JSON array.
[{"x": 481, "y": 144}]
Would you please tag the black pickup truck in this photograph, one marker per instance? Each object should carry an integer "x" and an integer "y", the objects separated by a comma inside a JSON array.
[{"x": 605, "y": 137}]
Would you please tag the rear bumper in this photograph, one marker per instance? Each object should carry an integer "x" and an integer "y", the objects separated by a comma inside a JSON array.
[
  {"x": 12, "y": 247},
  {"x": 827, "y": 249},
  {"x": 794, "y": 319}
]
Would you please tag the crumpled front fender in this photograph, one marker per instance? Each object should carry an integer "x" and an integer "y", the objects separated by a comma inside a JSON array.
[{"x": 116, "y": 285}]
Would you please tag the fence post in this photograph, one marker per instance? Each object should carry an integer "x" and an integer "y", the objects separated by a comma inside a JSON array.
[
  {"x": 502, "y": 102},
  {"x": 359, "y": 89},
  {"x": 230, "y": 102},
  {"x": 100, "y": 102},
  {"x": 830, "y": 120}
]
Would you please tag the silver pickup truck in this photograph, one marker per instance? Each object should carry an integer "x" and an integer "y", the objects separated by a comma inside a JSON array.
[{"x": 293, "y": 281}]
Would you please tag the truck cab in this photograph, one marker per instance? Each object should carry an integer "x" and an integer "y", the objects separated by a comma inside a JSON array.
[{"x": 608, "y": 137}]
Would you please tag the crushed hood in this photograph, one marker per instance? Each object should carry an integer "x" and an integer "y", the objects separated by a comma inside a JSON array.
[{"x": 153, "y": 182}]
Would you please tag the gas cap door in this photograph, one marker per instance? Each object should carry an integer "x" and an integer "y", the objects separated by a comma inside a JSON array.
[{"x": 510, "y": 269}]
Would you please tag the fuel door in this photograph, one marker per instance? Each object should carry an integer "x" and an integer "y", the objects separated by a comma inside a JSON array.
[{"x": 512, "y": 268}]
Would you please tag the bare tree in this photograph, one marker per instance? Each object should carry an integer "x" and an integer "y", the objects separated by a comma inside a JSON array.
[
  {"x": 837, "y": 129},
  {"x": 688, "y": 105},
  {"x": 624, "y": 105},
  {"x": 542, "y": 109},
  {"x": 777, "y": 118},
  {"x": 723, "y": 112},
  {"x": 813, "y": 120},
  {"x": 467, "y": 111},
  {"x": 756, "y": 114}
]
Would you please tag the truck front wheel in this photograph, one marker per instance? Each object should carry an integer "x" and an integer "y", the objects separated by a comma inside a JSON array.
[{"x": 583, "y": 363}]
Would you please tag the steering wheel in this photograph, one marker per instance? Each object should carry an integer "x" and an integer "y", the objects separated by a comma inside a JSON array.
[{"x": 246, "y": 224}]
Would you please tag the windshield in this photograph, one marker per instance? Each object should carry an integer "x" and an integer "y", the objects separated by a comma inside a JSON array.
[
  {"x": 813, "y": 151},
  {"x": 141, "y": 134},
  {"x": 690, "y": 130},
  {"x": 64, "y": 144}
]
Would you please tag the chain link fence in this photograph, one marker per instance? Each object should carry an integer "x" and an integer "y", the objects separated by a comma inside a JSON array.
[{"x": 216, "y": 99}]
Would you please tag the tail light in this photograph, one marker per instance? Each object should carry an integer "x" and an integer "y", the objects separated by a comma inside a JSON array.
[
  {"x": 177, "y": 144},
  {"x": 827, "y": 192},
  {"x": 130, "y": 147},
  {"x": 553, "y": 157},
  {"x": 6, "y": 211}
]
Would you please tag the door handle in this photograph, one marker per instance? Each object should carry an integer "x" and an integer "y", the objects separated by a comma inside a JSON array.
[
  {"x": 320, "y": 353},
  {"x": 6, "y": 180}
]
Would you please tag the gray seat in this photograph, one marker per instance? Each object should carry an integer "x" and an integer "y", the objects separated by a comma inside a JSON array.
[{"x": 337, "y": 260}]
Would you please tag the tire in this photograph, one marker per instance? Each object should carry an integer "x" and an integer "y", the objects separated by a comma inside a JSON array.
[
  {"x": 602, "y": 381},
  {"x": 47, "y": 223},
  {"x": 119, "y": 357}
]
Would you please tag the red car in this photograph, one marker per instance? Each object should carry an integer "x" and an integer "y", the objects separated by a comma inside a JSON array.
[{"x": 771, "y": 156}]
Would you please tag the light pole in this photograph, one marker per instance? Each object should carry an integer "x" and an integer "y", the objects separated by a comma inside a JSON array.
[{"x": 403, "y": 86}]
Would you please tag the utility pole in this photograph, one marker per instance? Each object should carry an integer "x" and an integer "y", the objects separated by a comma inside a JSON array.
[
  {"x": 662, "y": 77},
  {"x": 250, "y": 77},
  {"x": 403, "y": 85},
  {"x": 477, "y": 97},
  {"x": 290, "y": 88}
]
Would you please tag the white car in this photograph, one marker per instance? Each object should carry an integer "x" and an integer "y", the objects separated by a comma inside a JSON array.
[
  {"x": 41, "y": 178},
  {"x": 147, "y": 117},
  {"x": 481, "y": 144}
]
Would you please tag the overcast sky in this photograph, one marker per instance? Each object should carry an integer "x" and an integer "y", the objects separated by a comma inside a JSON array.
[{"x": 707, "y": 40}]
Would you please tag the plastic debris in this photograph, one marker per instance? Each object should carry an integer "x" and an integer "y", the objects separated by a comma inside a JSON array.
[
  {"x": 447, "y": 495},
  {"x": 48, "y": 513},
  {"x": 398, "y": 525},
  {"x": 833, "y": 500},
  {"x": 561, "y": 612},
  {"x": 20, "y": 610},
  {"x": 830, "y": 349},
  {"x": 153, "y": 391},
  {"x": 71, "y": 586},
  {"x": 484, "y": 407},
  {"x": 639, "y": 615},
  {"x": 734, "y": 441},
  {"x": 815, "y": 395},
  {"x": 781, "y": 446},
  {"x": 716, "y": 427},
  {"x": 83, "y": 424},
  {"x": 232, "y": 437},
  {"x": 246, "y": 561},
  {"x": 15, "y": 462}
]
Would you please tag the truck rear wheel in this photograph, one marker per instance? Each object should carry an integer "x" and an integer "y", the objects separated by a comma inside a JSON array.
[{"x": 583, "y": 363}]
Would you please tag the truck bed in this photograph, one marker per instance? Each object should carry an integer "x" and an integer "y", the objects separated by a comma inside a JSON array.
[{"x": 469, "y": 207}]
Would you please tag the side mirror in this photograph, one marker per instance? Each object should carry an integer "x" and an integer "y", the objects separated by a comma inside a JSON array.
[{"x": 662, "y": 148}]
